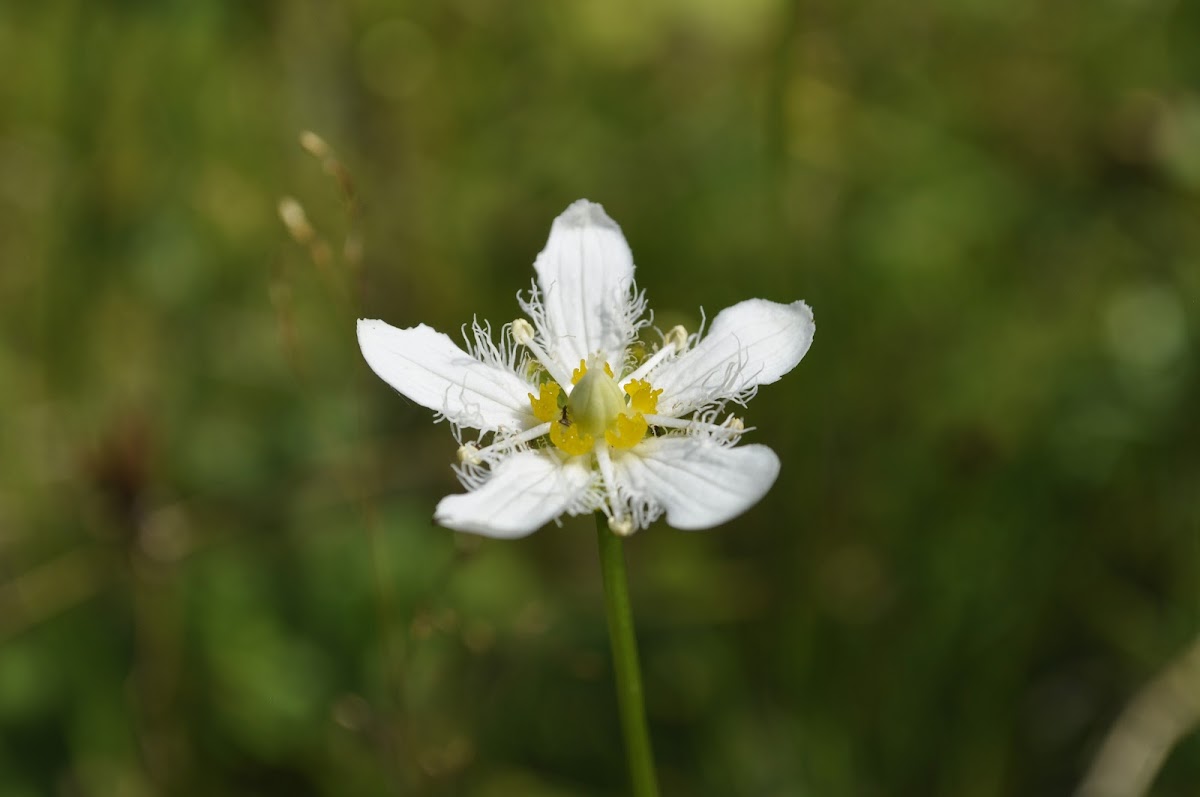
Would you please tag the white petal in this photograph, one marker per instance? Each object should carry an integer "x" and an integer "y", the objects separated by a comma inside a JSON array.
[
  {"x": 752, "y": 343},
  {"x": 585, "y": 274},
  {"x": 699, "y": 483},
  {"x": 430, "y": 369},
  {"x": 525, "y": 491}
]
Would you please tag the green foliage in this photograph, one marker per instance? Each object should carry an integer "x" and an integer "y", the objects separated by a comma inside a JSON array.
[{"x": 218, "y": 572}]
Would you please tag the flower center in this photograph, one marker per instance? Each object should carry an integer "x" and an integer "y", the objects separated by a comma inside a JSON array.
[
  {"x": 596, "y": 401},
  {"x": 597, "y": 406}
]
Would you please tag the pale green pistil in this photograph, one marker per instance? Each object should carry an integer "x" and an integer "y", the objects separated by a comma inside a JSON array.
[{"x": 595, "y": 402}]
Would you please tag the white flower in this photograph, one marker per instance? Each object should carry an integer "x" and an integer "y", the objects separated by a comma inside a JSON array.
[{"x": 574, "y": 415}]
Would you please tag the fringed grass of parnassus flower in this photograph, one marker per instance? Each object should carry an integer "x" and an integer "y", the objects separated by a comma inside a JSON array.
[
  {"x": 571, "y": 417},
  {"x": 572, "y": 414}
]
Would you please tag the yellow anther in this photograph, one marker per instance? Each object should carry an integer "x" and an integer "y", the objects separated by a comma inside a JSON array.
[
  {"x": 622, "y": 526},
  {"x": 522, "y": 331},
  {"x": 626, "y": 431},
  {"x": 468, "y": 454},
  {"x": 545, "y": 405},
  {"x": 642, "y": 398},
  {"x": 570, "y": 440},
  {"x": 677, "y": 336}
]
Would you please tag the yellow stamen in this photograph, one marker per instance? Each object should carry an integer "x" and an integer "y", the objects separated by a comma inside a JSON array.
[
  {"x": 642, "y": 398},
  {"x": 545, "y": 406},
  {"x": 628, "y": 428},
  {"x": 595, "y": 407},
  {"x": 626, "y": 431},
  {"x": 569, "y": 440}
]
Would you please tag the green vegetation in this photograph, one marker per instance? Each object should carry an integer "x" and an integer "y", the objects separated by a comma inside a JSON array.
[{"x": 218, "y": 570}]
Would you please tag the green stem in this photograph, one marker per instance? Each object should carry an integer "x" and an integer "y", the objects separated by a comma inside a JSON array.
[{"x": 625, "y": 662}]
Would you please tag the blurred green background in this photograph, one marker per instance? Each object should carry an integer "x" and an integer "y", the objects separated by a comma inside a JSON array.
[{"x": 218, "y": 572}]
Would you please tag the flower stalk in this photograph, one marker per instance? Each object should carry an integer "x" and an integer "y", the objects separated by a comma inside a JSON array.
[{"x": 630, "y": 701}]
